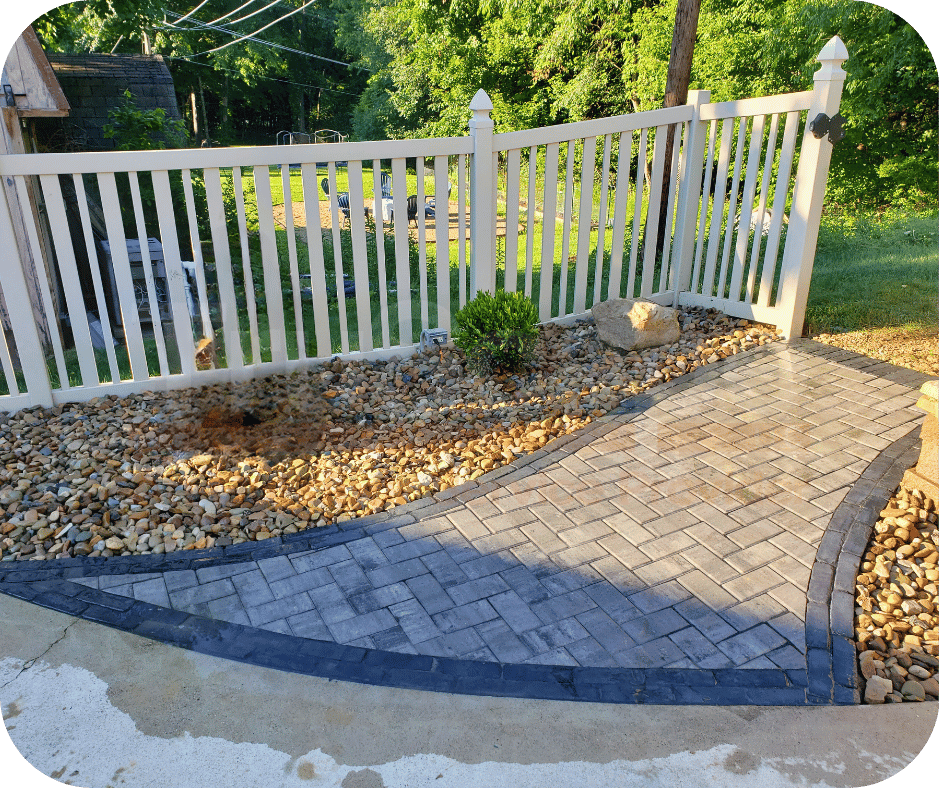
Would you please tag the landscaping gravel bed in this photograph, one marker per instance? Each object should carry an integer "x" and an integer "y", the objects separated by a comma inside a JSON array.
[
  {"x": 896, "y": 602},
  {"x": 224, "y": 464}
]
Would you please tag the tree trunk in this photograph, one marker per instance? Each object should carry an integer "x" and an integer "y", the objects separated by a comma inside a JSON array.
[
  {"x": 225, "y": 122},
  {"x": 298, "y": 108},
  {"x": 205, "y": 117},
  {"x": 677, "y": 93},
  {"x": 192, "y": 104}
]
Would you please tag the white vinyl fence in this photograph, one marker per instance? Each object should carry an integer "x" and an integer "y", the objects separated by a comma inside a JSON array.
[{"x": 277, "y": 257}]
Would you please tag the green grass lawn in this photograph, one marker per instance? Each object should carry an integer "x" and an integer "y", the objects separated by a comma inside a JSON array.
[{"x": 875, "y": 271}]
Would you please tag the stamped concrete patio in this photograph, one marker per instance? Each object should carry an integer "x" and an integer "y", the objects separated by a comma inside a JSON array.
[{"x": 697, "y": 545}]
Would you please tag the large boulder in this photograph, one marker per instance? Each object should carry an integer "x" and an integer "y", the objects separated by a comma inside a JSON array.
[{"x": 634, "y": 324}]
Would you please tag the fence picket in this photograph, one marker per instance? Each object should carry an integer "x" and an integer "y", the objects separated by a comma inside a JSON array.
[
  {"x": 120, "y": 264},
  {"x": 585, "y": 219},
  {"x": 402, "y": 252},
  {"x": 248, "y": 277},
  {"x": 196, "y": 245},
  {"x": 380, "y": 249},
  {"x": 602, "y": 222},
  {"x": 732, "y": 207},
  {"x": 703, "y": 209},
  {"x": 652, "y": 212},
  {"x": 530, "y": 220},
  {"x": 228, "y": 306},
  {"x": 747, "y": 206},
  {"x": 273, "y": 295},
  {"x": 175, "y": 277},
  {"x": 718, "y": 207},
  {"x": 318, "y": 294},
  {"x": 338, "y": 278},
  {"x": 549, "y": 207},
  {"x": 781, "y": 189},
  {"x": 637, "y": 213},
  {"x": 420, "y": 221},
  {"x": 52, "y": 319},
  {"x": 6, "y": 364},
  {"x": 357, "y": 227},
  {"x": 104, "y": 318},
  {"x": 156, "y": 320},
  {"x": 68, "y": 270},
  {"x": 513, "y": 175},
  {"x": 442, "y": 240},
  {"x": 567, "y": 210},
  {"x": 462, "y": 228},
  {"x": 666, "y": 271},
  {"x": 761, "y": 206},
  {"x": 622, "y": 192},
  {"x": 292, "y": 261}
]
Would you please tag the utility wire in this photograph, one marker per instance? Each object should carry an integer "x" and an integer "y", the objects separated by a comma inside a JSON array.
[
  {"x": 225, "y": 16},
  {"x": 173, "y": 24},
  {"x": 255, "y": 13},
  {"x": 259, "y": 76},
  {"x": 260, "y": 29},
  {"x": 201, "y": 26}
]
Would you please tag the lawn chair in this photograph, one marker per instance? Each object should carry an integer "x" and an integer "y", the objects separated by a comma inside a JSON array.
[
  {"x": 342, "y": 199},
  {"x": 386, "y": 185}
]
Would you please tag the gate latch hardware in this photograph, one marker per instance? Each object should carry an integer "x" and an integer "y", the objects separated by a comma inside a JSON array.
[{"x": 834, "y": 126}]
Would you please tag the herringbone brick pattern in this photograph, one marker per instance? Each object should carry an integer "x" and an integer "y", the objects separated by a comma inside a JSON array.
[{"x": 681, "y": 537}]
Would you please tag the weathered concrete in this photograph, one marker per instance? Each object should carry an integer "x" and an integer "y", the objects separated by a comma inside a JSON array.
[{"x": 96, "y": 707}]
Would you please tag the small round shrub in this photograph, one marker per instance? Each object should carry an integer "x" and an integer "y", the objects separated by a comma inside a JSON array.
[{"x": 497, "y": 333}]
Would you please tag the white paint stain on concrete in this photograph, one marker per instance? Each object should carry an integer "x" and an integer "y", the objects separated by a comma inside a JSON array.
[{"x": 63, "y": 723}]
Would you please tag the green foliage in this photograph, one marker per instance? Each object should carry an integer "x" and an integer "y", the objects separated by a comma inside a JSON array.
[
  {"x": 497, "y": 332},
  {"x": 142, "y": 129}
]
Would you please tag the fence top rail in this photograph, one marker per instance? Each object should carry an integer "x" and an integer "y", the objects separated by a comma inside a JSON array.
[
  {"x": 201, "y": 158},
  {"x": 591, "y": 128},
  {"x": 761, "y": 105}
]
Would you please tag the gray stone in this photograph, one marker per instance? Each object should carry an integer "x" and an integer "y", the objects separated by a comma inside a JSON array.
[
  {"x": 634, "y": 324},
  {"x": 913, "y": 690},
  {"x": 876, "y": 688}
]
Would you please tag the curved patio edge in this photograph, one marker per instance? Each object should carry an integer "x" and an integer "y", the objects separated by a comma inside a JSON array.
[
  {"x": 828, "y": 677},
  {"x": 832, "y": 667}
]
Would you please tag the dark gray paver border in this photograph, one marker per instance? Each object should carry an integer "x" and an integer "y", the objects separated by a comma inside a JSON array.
[{"x": 829, "y": 677}]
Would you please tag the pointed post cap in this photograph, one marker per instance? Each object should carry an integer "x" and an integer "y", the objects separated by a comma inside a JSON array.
[
  {"x": 831, "y": 58},
  {"x": 481, "y": 102},
  {"x": 481, "y": 105}
]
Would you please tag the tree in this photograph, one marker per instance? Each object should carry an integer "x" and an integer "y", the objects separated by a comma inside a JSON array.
[
  {"x": 251, "y": 90},
  {"x": 677, "y": 91}
]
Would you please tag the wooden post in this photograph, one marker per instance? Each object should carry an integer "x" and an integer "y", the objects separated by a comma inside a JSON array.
[
  {"x": 15, "y": 291},
  {"x": 11, "y": 141},
  {"x": 808, "y": 192},
  {"x": 482, "y": 198}
]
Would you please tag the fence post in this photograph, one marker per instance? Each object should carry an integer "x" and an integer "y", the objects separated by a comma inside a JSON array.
[
  {"x": 808, "y": 192},
  {"x": 690, "y": 189},
  {"x": 16, "y": 294},
  {"x": 482, "y": 198}
]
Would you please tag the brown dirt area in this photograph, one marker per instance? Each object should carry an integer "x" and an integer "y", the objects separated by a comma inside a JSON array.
[{"x": 430, "y": 227}]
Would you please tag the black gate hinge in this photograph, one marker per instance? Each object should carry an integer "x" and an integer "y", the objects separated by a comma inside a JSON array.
[{"x": 834, "y": 125}]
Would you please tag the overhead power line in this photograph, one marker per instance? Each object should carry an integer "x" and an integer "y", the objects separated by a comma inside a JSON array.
[
  {"x": 260, "y": 29},
  {"x": 226, "y": 16},
  {"x": 255, "y": 13},
  {"x": 201, "y": 26},
  {"x": 184, "y": 16},
  {"x": 260, "y": 76}
]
